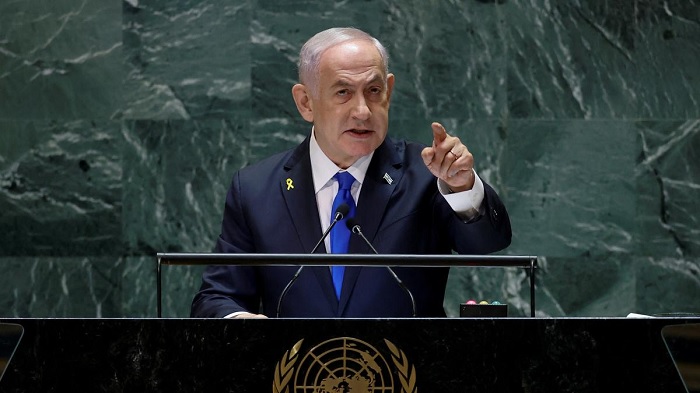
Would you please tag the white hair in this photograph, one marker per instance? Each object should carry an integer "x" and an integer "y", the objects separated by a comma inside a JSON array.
[{"x": 313, "y": 49}]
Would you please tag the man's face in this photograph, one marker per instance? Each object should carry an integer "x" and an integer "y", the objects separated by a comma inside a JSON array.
[{"x": 350, "y": 109}]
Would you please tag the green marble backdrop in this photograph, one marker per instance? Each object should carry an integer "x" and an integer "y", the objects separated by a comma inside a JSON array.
[{"x": 121, "y": 124}]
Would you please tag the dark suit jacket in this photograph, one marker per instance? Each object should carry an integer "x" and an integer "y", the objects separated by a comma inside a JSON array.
[{"x": 408, "y": 216}]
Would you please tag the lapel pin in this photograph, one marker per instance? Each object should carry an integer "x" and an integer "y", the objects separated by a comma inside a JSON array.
[
  {"x": 388, "y": 178},
  {"x": 290, "y": 184}
]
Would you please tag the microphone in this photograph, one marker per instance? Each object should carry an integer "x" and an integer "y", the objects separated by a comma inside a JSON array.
[
  {"x": 340, "y": 213},
  {"x": 354, "y": 227}
]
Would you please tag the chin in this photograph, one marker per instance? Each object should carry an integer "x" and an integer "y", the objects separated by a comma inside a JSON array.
[{"x": 362, "y": 149}]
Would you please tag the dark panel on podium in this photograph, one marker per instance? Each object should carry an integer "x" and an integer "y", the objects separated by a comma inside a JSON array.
[{"x": 435, "y": 355}]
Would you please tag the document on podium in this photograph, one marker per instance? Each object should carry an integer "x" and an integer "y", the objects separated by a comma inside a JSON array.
[{"x": 10, "y": 335}]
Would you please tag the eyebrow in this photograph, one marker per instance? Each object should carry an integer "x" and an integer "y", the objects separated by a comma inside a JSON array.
[{"x": 345, "y": 83}]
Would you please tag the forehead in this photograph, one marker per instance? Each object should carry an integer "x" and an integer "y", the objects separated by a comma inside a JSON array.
[{"x": 357, "y": 58}]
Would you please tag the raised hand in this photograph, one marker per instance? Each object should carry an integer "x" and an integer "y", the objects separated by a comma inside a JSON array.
[{"x": 449, "y": 160}]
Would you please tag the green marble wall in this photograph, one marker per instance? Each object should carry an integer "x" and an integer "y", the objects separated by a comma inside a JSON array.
[{"x": 121, "y": 124}]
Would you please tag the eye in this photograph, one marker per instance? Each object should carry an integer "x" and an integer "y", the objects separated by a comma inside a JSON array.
[
  {"x": 375, "y": 90},
  {"x": 342, "y": 92}
]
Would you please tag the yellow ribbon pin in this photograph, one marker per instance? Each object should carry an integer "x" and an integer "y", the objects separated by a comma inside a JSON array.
[{"x": 290, "y": 184}]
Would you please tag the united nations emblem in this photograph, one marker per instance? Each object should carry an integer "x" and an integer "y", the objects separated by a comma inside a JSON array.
[{"x": 342, "y": 365}]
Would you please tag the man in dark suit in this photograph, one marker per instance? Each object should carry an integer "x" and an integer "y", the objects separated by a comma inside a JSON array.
[{"x": 409, "y": 199}]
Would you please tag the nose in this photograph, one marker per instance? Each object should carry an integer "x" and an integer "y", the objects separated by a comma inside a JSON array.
[{"x": 360, "y": 109}]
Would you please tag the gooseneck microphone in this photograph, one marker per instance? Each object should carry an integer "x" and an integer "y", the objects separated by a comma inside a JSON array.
[
  {"x": 340, "y": 213},
  {"x": 355, "y": 228}
]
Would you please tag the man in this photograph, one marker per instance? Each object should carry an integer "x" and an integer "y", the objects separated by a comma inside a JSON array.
[{"x": 409, "y": 199}]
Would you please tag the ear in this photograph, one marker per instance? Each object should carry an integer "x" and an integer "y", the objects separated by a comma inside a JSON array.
[
  {"x": 302, "y": 98},
  {"x": 389, "y": 86}
]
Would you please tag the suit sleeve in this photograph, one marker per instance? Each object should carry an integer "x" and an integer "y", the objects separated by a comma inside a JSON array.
[
  {"x": 229, "y": 289},
  {"x": 487, "y": 233}
]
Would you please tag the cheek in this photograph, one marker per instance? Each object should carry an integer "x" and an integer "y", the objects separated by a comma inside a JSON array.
[
  {"x": 381, "y": 117},
  {"x": 381, "y": 108},
  {"x": 334, "y": 115}
]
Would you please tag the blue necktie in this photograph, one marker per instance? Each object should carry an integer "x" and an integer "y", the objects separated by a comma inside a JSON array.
[{"x": 340, "y": 234}]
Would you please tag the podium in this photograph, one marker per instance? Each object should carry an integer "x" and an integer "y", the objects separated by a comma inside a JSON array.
[
  {"x": 392, "y": 260},
  {"x": 394, "y": 355},
  {"x": 363, "y": 355}
]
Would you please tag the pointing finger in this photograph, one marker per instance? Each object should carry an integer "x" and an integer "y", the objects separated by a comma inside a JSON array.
[{"x": 439, "y": 133}]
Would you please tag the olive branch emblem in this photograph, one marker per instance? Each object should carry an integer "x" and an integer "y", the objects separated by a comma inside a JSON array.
[
  {"x": 407, "y": 373},
  {"x": 284, "y": 370}
]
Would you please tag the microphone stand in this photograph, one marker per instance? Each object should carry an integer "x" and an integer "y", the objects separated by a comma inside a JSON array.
[
  {"x": 355, "y": 228},
  {"x": 340, "y": 212}
]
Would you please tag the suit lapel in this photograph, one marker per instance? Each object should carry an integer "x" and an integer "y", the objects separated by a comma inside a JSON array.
[
  {"x": 376, "y": 192},
  {"x": 297, "y": 187},
  {"x": 374, "y": 198}
]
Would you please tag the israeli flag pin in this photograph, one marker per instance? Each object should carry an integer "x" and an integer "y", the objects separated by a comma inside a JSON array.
[{"x": 388, "y": 178}]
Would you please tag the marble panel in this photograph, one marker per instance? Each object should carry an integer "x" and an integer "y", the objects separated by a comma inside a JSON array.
[
  {"x": 597, "y": 59},
  {"x": 668, "y": 286},
  {"x": 667, "y": 49},
  {"x": 46, "y": 287},
  {"x": 137, "y": 297},
  {"x": 180, "y": 284},
  {"x": 569, "y": 187},
  {"x": 576, "y": 287},
  {"x": 510, "y": 286},
  {"x": 94, "y": 287},
  {"x": 448, "y": 58},
  {"x": 186, "y": 59},
  {"x": 60, "y": 188},
  {"x": 668, "y": 188},
  {"x": 60, "y": 59},
  {"x": 275, "y": 123},
  {"x": 176, "y": 176}
]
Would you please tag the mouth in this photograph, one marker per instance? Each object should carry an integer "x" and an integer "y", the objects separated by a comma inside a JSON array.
[{"x": 358, "y": 132}]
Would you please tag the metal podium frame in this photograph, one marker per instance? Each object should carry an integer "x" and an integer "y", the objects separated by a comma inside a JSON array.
[{"x": 394, "y": 260}]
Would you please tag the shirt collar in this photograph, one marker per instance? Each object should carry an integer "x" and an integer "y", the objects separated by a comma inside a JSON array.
[{"x": 323, "y": 169}]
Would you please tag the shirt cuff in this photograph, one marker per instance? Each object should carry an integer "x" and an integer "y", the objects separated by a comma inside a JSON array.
[{"x": 467, "y": 204}]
